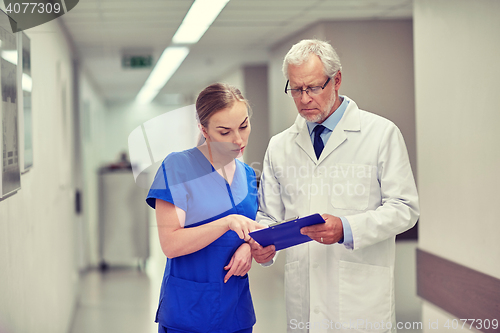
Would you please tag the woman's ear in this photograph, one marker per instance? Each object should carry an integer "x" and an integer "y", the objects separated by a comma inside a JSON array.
[{"x": 203, "y": 131}]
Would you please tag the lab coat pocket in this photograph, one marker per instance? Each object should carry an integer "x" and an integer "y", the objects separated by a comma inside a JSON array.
[
  {"x": 351, "y": 186},
  {"x": 292, "y": 292},
  {"x": 365, "y": 296},
  {"x": 189, "y": 305}
]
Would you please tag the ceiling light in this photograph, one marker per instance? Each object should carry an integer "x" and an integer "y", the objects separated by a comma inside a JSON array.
[
  {"x": 27, "y": 83},
  {"x": 166, "y": 66},
  {"x": 198, "y": 19},
  {"x": 10, "y": 56}
]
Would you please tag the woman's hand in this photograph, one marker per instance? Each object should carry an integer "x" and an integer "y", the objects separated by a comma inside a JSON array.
[
  {"x": 240, "y": 263},
  {"x": 242, "y": 225}
]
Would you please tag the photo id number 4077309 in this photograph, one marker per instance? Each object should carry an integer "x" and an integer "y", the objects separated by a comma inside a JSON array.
[
  {"x": 471, "y": 323},
  {"x": 33, "y": 8}
]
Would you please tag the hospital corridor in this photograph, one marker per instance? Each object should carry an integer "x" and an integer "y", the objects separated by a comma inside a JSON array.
[
  {"x": 357, "y": 137},
  {"x": 125, "y": 299}
]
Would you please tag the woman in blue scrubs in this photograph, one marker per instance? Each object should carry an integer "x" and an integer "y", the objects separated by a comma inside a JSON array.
[{"x": 206, "y": 203}]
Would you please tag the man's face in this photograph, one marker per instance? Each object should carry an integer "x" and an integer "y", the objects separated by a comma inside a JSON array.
[{"x": 315, "y": 108}]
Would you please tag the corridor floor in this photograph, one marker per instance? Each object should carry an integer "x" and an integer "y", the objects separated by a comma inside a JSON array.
[{"x": 124, "y": 300}]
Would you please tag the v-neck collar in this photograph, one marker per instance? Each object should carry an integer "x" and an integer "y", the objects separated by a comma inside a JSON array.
[{"x": 205, "y": 163}]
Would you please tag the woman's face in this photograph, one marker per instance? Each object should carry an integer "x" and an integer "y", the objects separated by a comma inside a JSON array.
[{"x": 228, "y": 130}]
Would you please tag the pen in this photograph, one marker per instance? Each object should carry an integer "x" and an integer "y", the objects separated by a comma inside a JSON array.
[{"x": 277, "y": 223}]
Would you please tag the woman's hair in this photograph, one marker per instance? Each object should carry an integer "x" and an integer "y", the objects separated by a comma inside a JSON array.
[
  {"x": 300, "y": 52},
  {"x": 216, "y": 97}
]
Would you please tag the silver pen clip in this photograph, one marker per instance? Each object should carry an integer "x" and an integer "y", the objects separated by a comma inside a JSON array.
[{"x": 278, "y": 223}]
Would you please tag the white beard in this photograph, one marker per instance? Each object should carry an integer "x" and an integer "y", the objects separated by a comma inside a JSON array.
[{"x": 320, "y": 117}]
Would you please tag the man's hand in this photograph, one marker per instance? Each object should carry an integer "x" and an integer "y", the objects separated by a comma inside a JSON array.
[
  {"x": 261, "y": 254},
  {"x": 329, "y": 232}
]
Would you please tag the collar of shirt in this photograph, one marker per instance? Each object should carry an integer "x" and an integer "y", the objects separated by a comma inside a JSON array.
[{"x": 330, "y": 123}]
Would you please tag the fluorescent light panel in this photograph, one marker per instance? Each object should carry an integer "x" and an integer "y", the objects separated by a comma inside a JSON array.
[
  {"x": 166, "y": 66},
  {"x": 27, "y": 83},
  {"x": 198, "y": 19},
  {"x": 10, "y": 56}
]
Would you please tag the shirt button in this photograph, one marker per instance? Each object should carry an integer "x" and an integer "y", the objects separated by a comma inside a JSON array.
[
  {"x": 315, "y": 265},
  {"x": 316, "y": 310}
]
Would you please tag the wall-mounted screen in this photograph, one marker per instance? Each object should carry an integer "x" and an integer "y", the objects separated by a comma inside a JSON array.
[
  {"x": 10, "y": 180},
  {"x": 26, "y": 84}
]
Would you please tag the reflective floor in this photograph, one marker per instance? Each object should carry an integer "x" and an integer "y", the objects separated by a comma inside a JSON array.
[
  {"x": 124, "y": 300},
  {"x": 119, "y": 300}
]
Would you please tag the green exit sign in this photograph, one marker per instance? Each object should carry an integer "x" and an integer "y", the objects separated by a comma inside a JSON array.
[{"x": 137, "y": 61}]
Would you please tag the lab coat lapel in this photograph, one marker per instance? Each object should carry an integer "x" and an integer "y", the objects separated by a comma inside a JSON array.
[
  {"x": 349, "y": 122},
  {"x": 303, "y": 140}
]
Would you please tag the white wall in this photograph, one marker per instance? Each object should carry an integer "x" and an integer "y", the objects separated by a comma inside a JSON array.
[
  {"x": 456, "y": 84},
  {"x": 92, "y": 130},
  {"x": 234, "y": 77},
  {"x": 38, "y": 224},
  {"x": 256, "y": 92}
]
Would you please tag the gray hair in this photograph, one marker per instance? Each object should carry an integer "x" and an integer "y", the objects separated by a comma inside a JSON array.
[{"x": 300, "y": 53}]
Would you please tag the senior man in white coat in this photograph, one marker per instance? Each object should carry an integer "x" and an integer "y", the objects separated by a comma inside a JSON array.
[{"x": 352, "y": 167}]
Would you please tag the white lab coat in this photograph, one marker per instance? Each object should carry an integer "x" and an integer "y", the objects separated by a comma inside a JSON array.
[{"x": 363, "y": 174}]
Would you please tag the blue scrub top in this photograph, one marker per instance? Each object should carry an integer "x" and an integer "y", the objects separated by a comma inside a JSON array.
[{"x": 194, "y": 297}]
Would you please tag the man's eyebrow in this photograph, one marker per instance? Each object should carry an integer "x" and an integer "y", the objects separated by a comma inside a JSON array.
[
  {"x": 308, "y": 86},
  {"x": 230, "y": 128}
]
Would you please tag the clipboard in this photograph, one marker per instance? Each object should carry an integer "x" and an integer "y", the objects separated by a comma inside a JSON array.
[{"x": 287, "y": 233}]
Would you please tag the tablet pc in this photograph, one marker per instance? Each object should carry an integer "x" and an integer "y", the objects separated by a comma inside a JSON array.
[{"x": 287, "y": 233}]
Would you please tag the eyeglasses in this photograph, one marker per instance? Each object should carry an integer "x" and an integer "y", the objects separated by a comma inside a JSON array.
[{"x": 311, "y": 91}]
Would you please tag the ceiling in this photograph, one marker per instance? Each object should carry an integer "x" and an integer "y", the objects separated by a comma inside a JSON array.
[{"x": 103, "y": 30}]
